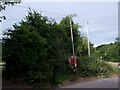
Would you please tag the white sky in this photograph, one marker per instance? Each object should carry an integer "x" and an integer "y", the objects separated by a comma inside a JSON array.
[
  {"x": 70, "y": 0},
  {"x": 102, "y": 16}
]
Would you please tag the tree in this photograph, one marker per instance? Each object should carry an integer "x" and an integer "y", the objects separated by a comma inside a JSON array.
[
  {"x": 4, "y": 4},
  {"x": 65, "y": 22},
  {"x": 38, "y": 48},
  {"x": 28, "y": 50},
  {"x": 108, "y": 52},
  {"x": 117, "y": 42}
]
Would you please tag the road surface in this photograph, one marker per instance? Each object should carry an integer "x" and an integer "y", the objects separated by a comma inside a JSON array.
[{"x": 102, "y": 83}]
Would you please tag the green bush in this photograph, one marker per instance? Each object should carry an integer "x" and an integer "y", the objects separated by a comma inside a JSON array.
[
  {"x": 91, "y": 66},
  {"x": 108, "y": 52},
  {"x": 37, "y": 49},
  {"x": 59, "y": 78},
  {"x": 33, "y": 78}
]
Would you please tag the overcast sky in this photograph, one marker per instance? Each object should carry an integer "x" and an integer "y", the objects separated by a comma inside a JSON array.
[{"x": 102, "y": 16}]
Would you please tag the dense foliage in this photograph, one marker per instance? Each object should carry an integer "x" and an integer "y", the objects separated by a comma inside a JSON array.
[
  {"x": 38, "y": 48},
  {"x": 108, "y": 52},
  {"x": 92, "y": 66}
]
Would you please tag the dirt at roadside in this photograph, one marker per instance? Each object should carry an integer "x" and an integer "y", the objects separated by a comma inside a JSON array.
[{"x": 11, "y": 84}]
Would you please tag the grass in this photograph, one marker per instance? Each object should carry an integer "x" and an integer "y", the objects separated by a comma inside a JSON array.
[{"x": 114, "y": 65}]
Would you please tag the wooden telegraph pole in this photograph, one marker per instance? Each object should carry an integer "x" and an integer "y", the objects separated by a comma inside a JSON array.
[
  {"x": 70, "y": 17},
  {"x": 88, "y": 38}
]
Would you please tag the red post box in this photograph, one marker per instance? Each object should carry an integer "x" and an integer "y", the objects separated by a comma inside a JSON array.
[{"x": 73, "y": 61}]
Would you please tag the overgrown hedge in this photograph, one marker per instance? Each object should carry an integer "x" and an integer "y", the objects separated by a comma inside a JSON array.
[{"x": 37, "y": 51}]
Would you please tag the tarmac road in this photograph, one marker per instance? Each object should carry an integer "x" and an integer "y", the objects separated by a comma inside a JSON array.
[{"x": 102, "y": 83}]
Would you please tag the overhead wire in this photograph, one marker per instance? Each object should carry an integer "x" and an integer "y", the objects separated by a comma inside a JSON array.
[
  {"x": 61, "y": 15},
  {"x": 40, "y": 10},
  {"x": 12, "y": 19}
]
